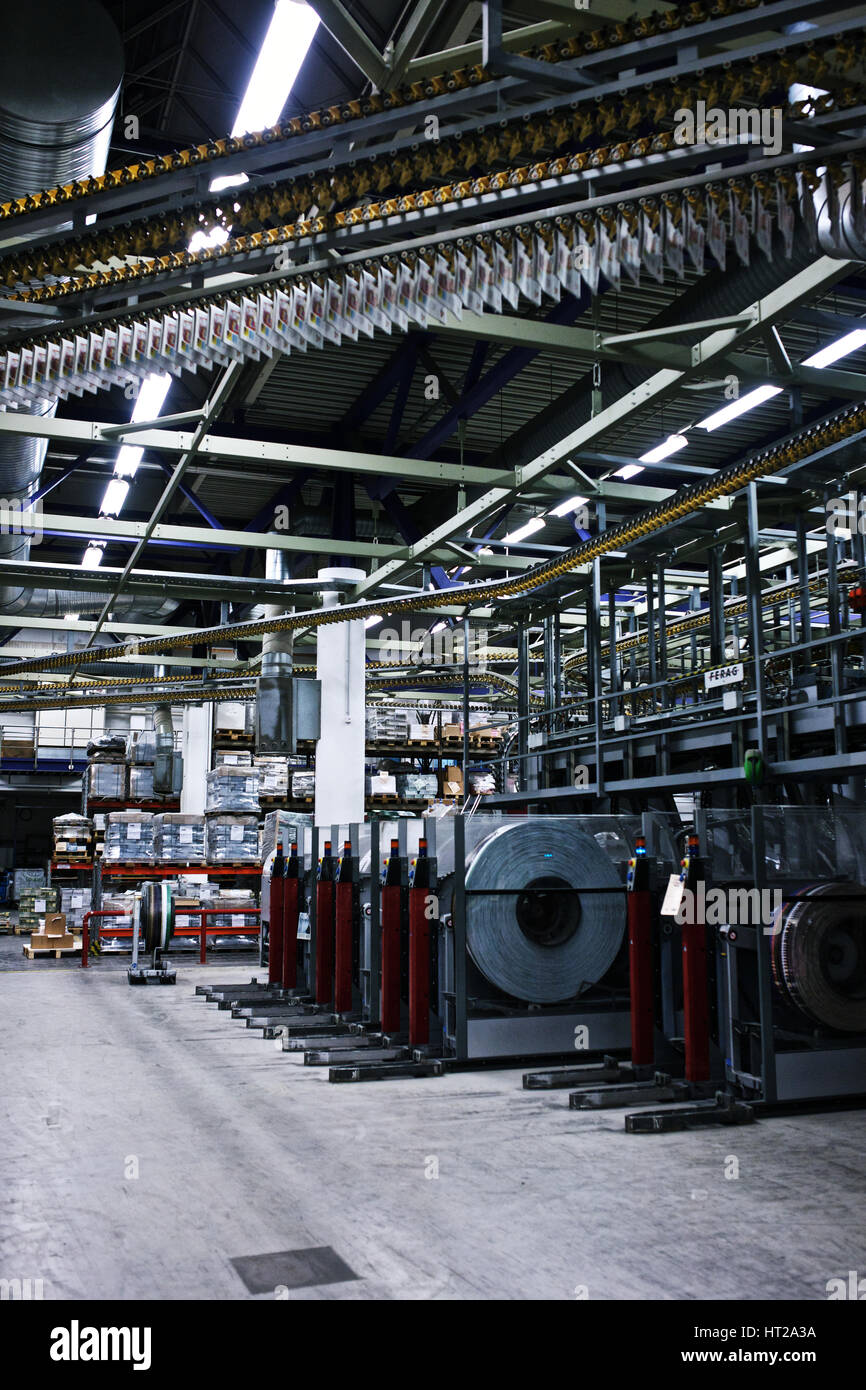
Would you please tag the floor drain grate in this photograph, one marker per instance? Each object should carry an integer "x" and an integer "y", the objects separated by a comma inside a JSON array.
[{"x": 293, "y": 1269}]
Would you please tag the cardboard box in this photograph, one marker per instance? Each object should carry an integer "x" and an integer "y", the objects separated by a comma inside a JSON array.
[
  {"x": 451, "y": 781},
  {"x": 452, "y": 731},
  {"x": 52, "y": 941},
  {"x": 55, "y": 924}
]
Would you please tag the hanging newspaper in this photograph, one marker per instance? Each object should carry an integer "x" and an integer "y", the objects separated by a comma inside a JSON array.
[
  {"x": 389, "y": 300},
  {"x": 464, "y": 281},
  {"x": 608, "y": 260},
  {"x": 628, "y": 246},
  {"x": 524, "y": 271},
  {"x": 565, "y": 257},
  {"x": 716, "y": 233},
  {"x": 265, "y": 306},
  {"x": 763, "y": 223},
  {"x": 406, "y": 292},
  {"x": 423, "y": 291},
  {"x": 442, "y": 291},
  {"x": 483, "y": 282},
  {"x": 503, "y": 274},
  {"x": 785, "y": 218},
  {"x": 372, "y": 309},
  {"x": 587, "y": 258},
  {"x": 739, "y": 227},
  {"x": 694, "y": 235},
  {"x": 334, "y": 316},
  {"x": 651, "y": 245},
  {"x": 545, "y": 271},
  {"x": 674, "y": 244}
]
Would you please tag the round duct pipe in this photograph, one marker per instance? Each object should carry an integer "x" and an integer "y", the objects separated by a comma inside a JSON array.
[
  {"x": 61, "y": 67},
  {"x": 277, "y": 647}
]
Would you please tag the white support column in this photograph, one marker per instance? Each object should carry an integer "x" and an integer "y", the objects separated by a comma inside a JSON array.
[
  {"x": 197, "y": 745},
  {"x": 340, "y": 749}
]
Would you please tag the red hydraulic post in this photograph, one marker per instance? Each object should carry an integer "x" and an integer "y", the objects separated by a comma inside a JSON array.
[
  {"x": 640, "y": 961},
  {"x": 325, "y": 927},
  {"x": 291, "y": 912},
  {"x": 696, "y": 997},
  {"x": 275, "y": 920},
  {"x": 420, "y": 883},
  {"x": 392, "y": 915},
  {"x": 345, "y": 896}
]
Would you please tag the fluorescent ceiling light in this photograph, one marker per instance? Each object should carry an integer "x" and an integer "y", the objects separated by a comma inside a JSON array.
[
  {"x": 739, "y": 407},
  {"x": 671, "y": 445},
  {"x": 841, "y": 348},
  {"x": 92, "y": 556},
  {"x": 528, "y": 529},
  {"x": 630, "y": 470},
  {"x": 285, "y": 46},
  {"x": 151, "y": 397},
  {"x": 127, "y": 461},
  {"x": 372, "y": 622},
  {"x": 114, "y": 497},
  {"x": 440, "y": 627},
  {"x": 570, "y": 506}
]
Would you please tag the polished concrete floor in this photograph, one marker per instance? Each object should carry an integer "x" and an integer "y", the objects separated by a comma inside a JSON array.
[{"x": 148, "y": 1140}]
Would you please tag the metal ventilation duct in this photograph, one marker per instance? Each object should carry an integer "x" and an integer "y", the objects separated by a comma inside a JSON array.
[{"x": 61, "y": 66}]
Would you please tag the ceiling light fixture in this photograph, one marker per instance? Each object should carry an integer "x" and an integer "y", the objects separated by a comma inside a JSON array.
[
  {"x": 285, "y": 46},
  {"x": 842, "y": 347},
  {"x": 528, "y": 529},
  {"x": 739, "y": 407}
]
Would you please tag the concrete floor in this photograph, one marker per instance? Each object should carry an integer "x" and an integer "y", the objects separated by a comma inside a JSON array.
[{"x": 240, "y": 1150}]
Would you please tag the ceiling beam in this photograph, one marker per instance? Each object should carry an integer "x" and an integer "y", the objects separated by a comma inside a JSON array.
[
  {"x": 815, "y": 278},
  {"x": 250, "y": 450}
]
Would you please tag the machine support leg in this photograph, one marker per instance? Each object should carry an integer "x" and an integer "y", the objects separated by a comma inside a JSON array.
[
  {"x": 641, "y": 977},
  {"x": 345, "y": 902},
  {"x": 696, "y": 1003},
  {"x": 290, "y": 933},
  {"x": 202, "y": 942},
  {"x": 391, "y": 925},
  {"x": 85, "y": 940},
  {"x": 275, "y": 933},
  {"x": 324, "y": 940},
  {"x": 419, "y": 968}
]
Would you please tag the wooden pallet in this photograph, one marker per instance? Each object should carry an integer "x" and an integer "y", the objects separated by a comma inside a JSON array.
[
  {"x": 63, "y": 861},
  {"x": 274, "y": 803},
  {"x": 33, "y": 952},
  {"x": 422, "y": 743},
  {"x": 480, "y": 741},
  {"x": 233, "y": 736}
]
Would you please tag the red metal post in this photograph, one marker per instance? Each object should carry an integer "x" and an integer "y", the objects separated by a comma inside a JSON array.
[
  {"x": 291, "y": 908},
  {"x": 345, "y": 901},
  {"x": 275, "y": 931},
  {"x": 419, "y": 967},
  {"x": 640, "y": 964},
  {"x": 391, "y": 904},
  {"x": 324, "y": 940},
  {"x": 202, "y": 954}
]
